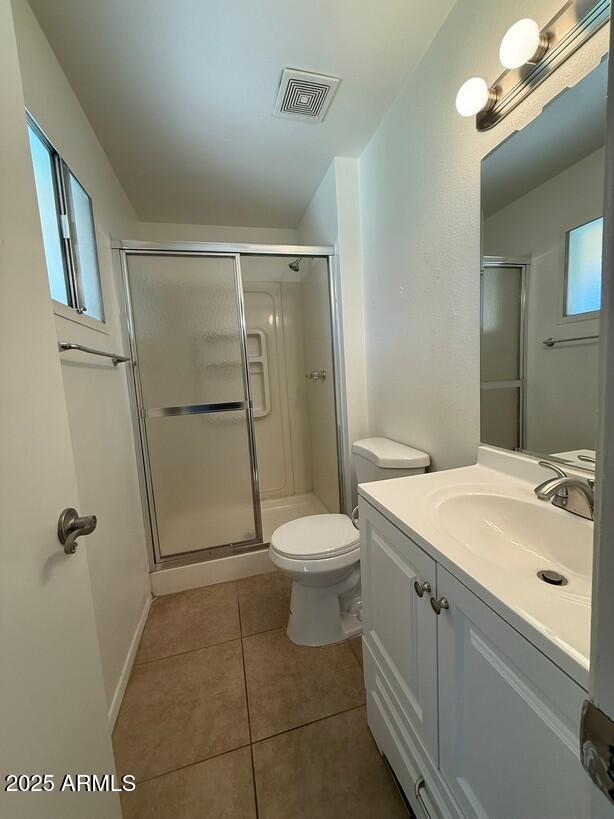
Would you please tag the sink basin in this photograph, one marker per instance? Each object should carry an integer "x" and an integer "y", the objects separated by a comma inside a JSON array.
[
  {"x": 484, "y": 524},
  {"x": 521, "y": 535}
]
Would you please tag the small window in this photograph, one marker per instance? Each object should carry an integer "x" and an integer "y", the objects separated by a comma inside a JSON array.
[
  {"x": 583, "y": 273},
  {"x": 67, "y": 223}
]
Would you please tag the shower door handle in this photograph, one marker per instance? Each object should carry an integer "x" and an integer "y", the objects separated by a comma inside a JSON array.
[{"x": 316, "y": 375}]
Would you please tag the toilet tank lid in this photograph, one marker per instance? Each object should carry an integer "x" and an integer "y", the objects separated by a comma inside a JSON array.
[{"x": 390, "y": 454}]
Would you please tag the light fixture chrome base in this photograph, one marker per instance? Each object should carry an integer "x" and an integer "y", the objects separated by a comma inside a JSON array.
[
  {"x": 560, "y": 38},
  {"x": 542, "y": 48}
]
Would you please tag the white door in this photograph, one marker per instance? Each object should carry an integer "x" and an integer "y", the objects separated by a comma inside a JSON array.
[
  {"x": 399, "y": 626},
  {"x": 602, "y": 639},
  {"x": 53, "y": 714},
  {"x": 509, "y": 718}
]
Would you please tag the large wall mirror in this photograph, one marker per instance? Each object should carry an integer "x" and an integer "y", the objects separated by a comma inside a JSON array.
[{"x": 542, "y": 225}]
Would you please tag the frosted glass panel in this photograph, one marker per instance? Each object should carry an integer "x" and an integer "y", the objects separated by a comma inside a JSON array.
[
  {"x": 501, "y": 315},
  {"x": 189, "y": 341},
  {"x": 187, "y": 329},
  {"x": 583, "y": 293},
  {"x": 201, "y": 481},
  {"x": 500, "y": 416},
  {"x": 84, "y": 245},
  {"x": 45, "y": 194}
]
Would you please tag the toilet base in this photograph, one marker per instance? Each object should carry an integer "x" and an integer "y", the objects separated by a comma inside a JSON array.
[{"x": 321, "y": 615}]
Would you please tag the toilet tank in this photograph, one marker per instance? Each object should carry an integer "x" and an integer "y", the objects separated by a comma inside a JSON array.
[{"x": 378, "y": 459}]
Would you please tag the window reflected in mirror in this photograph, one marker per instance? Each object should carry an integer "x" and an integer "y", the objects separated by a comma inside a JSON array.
[{"x": 583, "y": 268}]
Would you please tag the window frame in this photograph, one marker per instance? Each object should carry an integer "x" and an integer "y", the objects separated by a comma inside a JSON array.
[
  {"x": 76, "y": 309},
  {"x": 588, "y": 315}
]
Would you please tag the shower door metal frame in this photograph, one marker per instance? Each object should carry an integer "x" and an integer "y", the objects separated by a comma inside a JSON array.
[{"x": 235, "y": 251}]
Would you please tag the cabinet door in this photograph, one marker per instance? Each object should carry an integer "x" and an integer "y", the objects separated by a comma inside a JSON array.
[
  {"x": 508, "y": 717},
  {"x": 399, "y": 627}
]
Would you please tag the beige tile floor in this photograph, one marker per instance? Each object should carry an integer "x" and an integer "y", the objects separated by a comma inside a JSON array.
[{"x": 225, "y": 718}]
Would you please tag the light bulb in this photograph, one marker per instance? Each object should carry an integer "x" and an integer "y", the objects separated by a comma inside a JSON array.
[
  {"x": 473, "y": 96},
  {"x": 522, "y": 44}
]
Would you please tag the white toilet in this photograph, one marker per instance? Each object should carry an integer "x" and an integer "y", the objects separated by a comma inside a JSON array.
[{"x": 321, "y": 553}]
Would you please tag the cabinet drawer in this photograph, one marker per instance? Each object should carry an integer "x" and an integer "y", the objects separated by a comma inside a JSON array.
[
  {"x": 508, "y": 717},
  {"x": 399, "y": 626}
]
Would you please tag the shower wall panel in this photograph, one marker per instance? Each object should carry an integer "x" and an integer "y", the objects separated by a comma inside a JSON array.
[
  {"x": 317, "y": 336},
  {"x": 282, "y": 434}
]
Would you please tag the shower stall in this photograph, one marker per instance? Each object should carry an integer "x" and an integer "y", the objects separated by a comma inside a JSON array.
[{"x": 237, "y": 411}]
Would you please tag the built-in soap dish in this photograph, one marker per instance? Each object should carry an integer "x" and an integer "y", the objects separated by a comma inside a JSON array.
[{"x": 552, "y": 578}]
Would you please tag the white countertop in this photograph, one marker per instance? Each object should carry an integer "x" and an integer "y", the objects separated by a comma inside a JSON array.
[{"x": 555, "y": 619}]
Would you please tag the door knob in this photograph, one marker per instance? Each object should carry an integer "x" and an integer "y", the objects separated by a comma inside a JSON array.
[
  {"x": 420, "y": 588},
  {"x": 71, "y": 526},
  {"x": 438, "y": 605}
]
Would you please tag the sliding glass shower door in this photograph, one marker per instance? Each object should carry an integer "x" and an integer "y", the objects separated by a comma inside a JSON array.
[{"x": 192, "y": 387}]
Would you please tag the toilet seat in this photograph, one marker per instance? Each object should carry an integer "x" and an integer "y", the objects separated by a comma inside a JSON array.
[{"x": 315, "y": 537}]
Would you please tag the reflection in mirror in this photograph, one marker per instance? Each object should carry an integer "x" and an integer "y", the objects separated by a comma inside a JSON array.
[{"x": 542, "y": 224}]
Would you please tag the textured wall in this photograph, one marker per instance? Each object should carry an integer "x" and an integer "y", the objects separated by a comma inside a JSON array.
[
  {"x": 169, "y": 232},
  {"x": 420, "y": 189}
]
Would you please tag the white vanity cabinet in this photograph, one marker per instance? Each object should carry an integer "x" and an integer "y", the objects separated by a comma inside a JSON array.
[{"x": 474, "y": 720}]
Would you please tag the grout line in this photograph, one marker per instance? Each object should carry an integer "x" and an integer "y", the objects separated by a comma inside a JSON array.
[
  {"x": 311, "y": 722},
  {"x": 249, "y": 724},
  {"x": 187, "y": 651},
  {"x": 264, "y": 631},
  {"x": 211, "y": 645},
  {"x": 190, "y": 764},
  {"x": 354, "y": 653}
]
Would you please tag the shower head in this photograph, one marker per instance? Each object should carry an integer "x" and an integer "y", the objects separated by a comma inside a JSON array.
[{"x": 295, "y": 264}]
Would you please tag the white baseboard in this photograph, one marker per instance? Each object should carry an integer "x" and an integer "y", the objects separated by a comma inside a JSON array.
[
  {"x": 120, "y": 688},
  {"x": 180, "y": 578}
]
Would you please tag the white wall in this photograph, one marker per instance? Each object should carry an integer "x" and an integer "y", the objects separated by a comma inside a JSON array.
[
  {"x": 334, "y": 218},
  {"x": 96, "y": 392},
  {"x": 167, "y": 232},
  {"x": 420, "y": 198},
  {"x": 562, "y": 381}
]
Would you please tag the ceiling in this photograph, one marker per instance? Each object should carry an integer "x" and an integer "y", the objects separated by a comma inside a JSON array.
[
  {"x": 181, "y": 94},
  {"x": 571, "y": 127}
]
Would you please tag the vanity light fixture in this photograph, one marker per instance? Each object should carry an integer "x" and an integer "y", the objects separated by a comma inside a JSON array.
[
  {"x": 522, "y": 43},
  {"x": 474, "y": 96},
  {"x": 530, "y": 55}
]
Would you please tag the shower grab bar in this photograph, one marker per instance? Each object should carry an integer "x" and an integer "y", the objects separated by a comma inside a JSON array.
[
  {"x": 196, "y": 409},
  {"x": 65, "y": 346},
  {"x": 550, "y": 342}
]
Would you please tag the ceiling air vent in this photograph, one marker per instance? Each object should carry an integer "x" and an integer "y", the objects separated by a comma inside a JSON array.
[{"x": 305, "y": 96}]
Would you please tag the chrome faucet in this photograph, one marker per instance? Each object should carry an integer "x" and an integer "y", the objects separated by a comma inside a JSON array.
[{"x": 575, "y": 495}]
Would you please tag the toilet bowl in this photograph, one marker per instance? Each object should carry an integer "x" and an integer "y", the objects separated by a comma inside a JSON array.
[{"x": 321, "y": 553}]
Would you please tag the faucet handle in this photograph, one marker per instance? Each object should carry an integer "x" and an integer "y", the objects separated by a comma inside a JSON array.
[{"x": 557, "y": 469}]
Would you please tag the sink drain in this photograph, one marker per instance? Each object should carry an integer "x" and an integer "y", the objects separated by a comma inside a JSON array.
[{"x": 552, "y": 577}]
